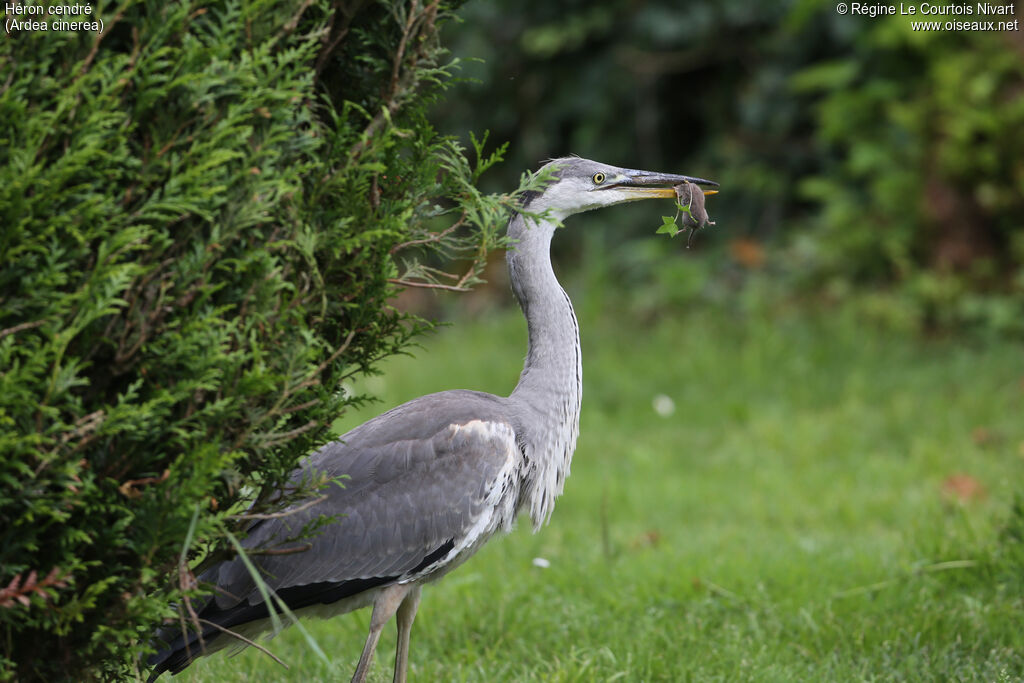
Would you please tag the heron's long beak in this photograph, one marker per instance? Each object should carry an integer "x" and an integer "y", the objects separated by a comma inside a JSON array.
[{"x": 645, "y": 184}]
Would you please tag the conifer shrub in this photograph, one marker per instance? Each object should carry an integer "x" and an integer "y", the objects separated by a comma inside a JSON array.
[{"x": 204, "y": 211}]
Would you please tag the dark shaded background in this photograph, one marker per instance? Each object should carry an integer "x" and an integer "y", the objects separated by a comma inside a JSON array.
[{"x": 858, "y": 158}]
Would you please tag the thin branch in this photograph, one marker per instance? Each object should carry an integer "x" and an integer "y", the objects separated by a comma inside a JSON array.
[
  {"x": 10, "y": 79},
  {"x": 305, "y": 547},
  {"x": 427, "y": 285},
  {"x": 314, "y": 376},
  {"x": 284, "y": 513},
  {"x": 245, "y": 640},
  {"x": 108, "y": 26},
  {"x": 434, "y": 236},
  {"x": 128, "y": 488},
  {"x": 294, "y": 21},
  {"x": 274, "y": 439},
  {"x": 470, "y": 271},
  {"x": 459, "y": 286},
  {"x": 325, "y": 54},
  {"x": 400, "y": 52},
  {"x": 301, "y": 406},
  {"x": 21, "y": 327},
  {"x": 84, "y": 425},
  {"x": 337, "y": 352},
  {"x": 193, "y": 616}
]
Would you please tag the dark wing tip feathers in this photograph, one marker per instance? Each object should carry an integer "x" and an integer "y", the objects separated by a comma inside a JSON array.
[{"x": 179, "y": 655}]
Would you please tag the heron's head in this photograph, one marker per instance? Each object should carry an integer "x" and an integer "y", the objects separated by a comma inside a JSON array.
[{"x": 579, "y": 185}]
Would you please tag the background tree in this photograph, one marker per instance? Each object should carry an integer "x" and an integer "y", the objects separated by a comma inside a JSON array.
[{"x": 869, "y": 158}]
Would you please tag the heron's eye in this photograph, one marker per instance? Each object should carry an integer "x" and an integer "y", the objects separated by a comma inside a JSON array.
[{"x": 598, "y": 178}]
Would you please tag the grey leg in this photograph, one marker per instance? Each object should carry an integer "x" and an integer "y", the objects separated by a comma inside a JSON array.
[
  {"x": 406, "y": 614},
  {"x": 384, "y": 607}
]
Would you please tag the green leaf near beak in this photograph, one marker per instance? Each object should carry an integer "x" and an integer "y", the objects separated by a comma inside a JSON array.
[{"x": 668, "y": 225}]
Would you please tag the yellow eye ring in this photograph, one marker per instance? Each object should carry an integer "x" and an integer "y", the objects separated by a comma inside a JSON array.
[{"x": 598, "y": 178}]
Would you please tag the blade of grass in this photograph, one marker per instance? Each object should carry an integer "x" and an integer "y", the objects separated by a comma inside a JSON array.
[{"x": 266, "y": 592}]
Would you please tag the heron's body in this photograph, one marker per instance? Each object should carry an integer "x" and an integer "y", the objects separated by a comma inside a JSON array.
[{"x": 430, "y": 481}]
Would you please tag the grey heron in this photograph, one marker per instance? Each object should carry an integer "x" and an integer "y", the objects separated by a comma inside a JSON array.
[{"x": 429, "y": 482}]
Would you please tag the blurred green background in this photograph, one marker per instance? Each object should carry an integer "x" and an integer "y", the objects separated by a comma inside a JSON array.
[
  {"x": 802, "y": 449},
  {"x": 858, "y": 158}
]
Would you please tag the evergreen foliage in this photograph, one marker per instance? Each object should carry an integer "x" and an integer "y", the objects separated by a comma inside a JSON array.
[{"x": 205, "y": 211}]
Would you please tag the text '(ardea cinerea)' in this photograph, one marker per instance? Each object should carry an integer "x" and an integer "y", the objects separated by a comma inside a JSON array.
[{"x": 429, "y": 482}]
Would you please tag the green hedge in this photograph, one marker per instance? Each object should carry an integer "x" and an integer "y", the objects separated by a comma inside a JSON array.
[{"x": 205, "y": 211}]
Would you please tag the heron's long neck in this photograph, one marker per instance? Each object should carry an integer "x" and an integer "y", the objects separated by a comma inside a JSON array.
[{"x": 550, "y": 387}]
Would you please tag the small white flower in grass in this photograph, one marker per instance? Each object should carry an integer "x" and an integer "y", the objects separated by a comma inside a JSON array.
[
  {"x": 541, "y": 562},
  {"x": 663, "y": 405}
]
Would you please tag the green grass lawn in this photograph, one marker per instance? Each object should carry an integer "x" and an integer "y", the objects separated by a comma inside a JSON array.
[{"x": 792, "y": 519}]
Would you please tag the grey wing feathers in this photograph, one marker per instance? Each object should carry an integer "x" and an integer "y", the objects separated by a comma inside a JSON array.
[{"x": 419, "y": 478}]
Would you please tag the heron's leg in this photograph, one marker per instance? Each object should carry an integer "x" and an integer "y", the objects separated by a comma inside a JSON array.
[
  {"x": 406, "y": 614},
  {"x": 384, "y": 607}
]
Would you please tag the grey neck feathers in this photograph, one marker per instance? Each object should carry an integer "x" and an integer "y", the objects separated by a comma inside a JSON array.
[{"x": 550, "y": 387}]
